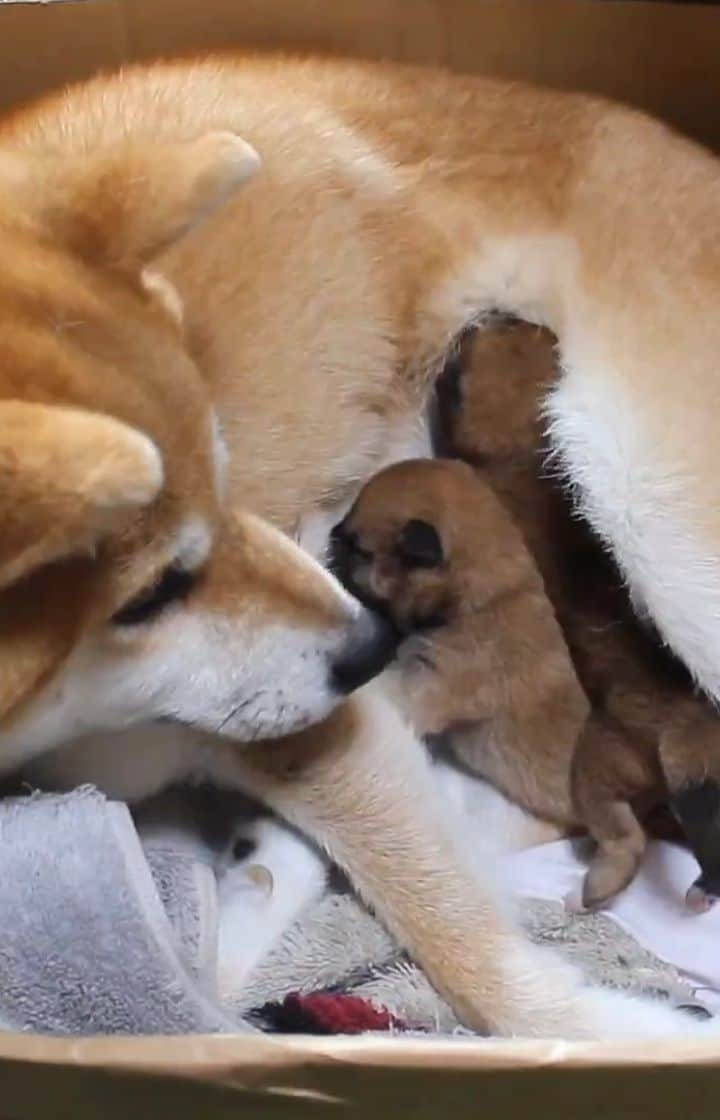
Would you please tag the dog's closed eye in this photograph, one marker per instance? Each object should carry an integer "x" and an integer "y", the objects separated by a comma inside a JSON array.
[{"x": 175, "y": 583}]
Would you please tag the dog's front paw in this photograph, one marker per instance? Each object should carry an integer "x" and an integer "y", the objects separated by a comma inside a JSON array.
[{"x": 546, "y": 998}]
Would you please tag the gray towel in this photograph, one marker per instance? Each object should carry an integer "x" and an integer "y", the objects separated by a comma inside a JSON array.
[
  {"x": 176, "y": 834},
  {"x": 89, "y": 943},
  {"x": 85, "y": 944},
  {"x": 188, "y": 891},
  {"x": 335, "y": 938},
  {"x": 337, "y": 945}
]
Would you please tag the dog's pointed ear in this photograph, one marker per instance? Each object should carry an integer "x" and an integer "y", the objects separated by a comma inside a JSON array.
[
  {"x": 67, "y": 478},
  {"x": 121, "y": 206}
]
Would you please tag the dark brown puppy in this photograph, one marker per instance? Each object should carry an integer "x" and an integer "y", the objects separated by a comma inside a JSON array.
[{"x": 651, "y": 736}]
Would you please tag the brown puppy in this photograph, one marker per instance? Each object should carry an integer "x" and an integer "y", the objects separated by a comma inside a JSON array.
[
  {"x": 484, "y": 660},
  {"x": 650, "y": 734},
  {"x": 485, "y": 665}
]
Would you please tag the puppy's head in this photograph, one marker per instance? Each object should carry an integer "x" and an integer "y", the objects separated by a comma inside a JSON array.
[
  {"x": 425, "y": 540},
  {"x": 129, "y": 590}
]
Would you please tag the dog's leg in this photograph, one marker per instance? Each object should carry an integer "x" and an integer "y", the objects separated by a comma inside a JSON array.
[{"x": 360, "y": 785}]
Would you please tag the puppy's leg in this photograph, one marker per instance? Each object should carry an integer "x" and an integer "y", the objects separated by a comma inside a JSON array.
[
  {"x": 621, "y": 843},
  {"x": 608, "y": 772},
  {"x": 360, "y": 785}
]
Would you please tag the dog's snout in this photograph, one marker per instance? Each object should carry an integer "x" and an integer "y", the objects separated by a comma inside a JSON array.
[{"x": 370, "y": 646}]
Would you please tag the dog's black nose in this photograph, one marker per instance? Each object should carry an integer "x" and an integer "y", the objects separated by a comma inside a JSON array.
[{"x": 370, "y": 646}]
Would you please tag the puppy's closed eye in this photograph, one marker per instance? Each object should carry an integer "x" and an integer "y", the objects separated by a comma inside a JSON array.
[
  {"x": 347, "y": 538},
  {"x": 420, "y": 545},
  {"x": 175, "y": 583}
]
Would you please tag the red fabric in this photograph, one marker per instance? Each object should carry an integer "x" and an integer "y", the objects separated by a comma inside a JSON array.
[{"x": 327, "y": 1013}]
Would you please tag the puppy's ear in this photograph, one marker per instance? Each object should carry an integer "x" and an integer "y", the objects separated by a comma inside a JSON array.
[
  {"x": 420, "y": 545},
  {"x": 121, "y": 206},
  {"x": 67, "y": 478}
]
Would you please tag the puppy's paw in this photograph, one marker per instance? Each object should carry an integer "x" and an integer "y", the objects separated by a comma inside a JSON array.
[{"x": 608, "y": 875}]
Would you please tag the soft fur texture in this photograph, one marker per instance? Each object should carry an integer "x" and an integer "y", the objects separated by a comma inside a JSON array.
[
  {"x": 483, "y": 666},
  {"x": 393, "y": 206},
  {"x": 649, "y": 737}
]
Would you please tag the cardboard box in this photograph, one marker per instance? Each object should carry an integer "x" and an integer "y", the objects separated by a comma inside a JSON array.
[{"x": 663, "y": 57}]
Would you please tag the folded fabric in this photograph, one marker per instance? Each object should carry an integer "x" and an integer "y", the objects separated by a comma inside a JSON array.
[
  {"x": 226, "y": 918},
  {"x": 188, "y": 891},
  {"x": 86, "y": 946},
  {"x": 335, "y": 947}
]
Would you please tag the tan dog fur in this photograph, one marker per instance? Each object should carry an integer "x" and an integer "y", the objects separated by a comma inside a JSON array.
[{"x": 392, "y": 207}]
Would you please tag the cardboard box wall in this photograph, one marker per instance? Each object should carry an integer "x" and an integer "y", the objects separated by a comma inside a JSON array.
[{"x": 663, "y": 57}]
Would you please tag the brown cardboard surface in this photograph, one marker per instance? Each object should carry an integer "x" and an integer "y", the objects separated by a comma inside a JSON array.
[
  {"x": 285, "y": 1079},
  {"x": 663, "y": 57}
]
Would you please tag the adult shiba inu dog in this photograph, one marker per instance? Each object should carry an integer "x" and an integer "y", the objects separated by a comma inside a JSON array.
[{"x": 226, "y": 290}]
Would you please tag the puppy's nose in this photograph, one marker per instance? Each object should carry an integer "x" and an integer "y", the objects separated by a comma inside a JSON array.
[{"x": 370, "y": 646}]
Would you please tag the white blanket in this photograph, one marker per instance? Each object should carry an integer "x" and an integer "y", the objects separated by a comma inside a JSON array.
[
  {"x": 498, "y": 839},
  {"x": 651, "y": 910}
]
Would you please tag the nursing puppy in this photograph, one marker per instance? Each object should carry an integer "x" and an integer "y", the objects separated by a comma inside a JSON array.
[
  {"x": 482, "y": 664},
  {"x": 651, "y": 737},
  {"x": 226, "y": 290}
]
